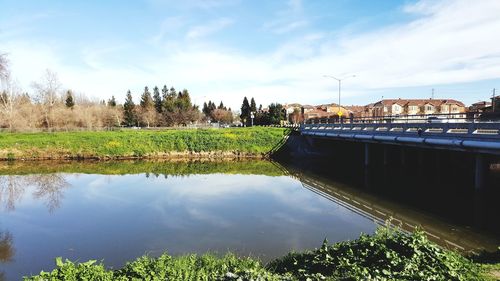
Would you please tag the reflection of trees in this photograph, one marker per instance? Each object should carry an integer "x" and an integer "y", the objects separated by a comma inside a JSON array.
[
  {"x": 6, "y": 250},
  {"x": 6, "y": 247},
  {"x": 48, "y": 187},
  {"x": 11, "y": 190}
]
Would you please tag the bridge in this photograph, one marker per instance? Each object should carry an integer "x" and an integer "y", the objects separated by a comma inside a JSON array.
[{"x": 473, "y": 136}]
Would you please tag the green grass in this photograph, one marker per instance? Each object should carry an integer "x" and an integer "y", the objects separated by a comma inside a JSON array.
[
  {"x": 255, "y": 141},
  {"x": 389, "y": 254}
]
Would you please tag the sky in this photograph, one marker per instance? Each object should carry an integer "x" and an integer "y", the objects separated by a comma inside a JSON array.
[{"x": 274, "y": 51}]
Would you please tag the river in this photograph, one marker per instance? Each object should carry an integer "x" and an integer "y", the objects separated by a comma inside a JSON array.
[{"x": 117, "y": 211}]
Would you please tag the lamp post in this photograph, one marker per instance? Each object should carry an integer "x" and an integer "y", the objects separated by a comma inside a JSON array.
[{"x": 340, "y": 83}]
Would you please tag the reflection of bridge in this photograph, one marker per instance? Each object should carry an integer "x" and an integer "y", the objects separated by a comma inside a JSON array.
[
  {"x": 479, "y": 138},
  {"x": 380, "y": 211}
]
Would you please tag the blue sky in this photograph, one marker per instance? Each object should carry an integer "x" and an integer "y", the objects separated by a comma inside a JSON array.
[{"x": 275, "y": 51}]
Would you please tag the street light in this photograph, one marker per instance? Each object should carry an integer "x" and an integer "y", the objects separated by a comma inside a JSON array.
[{"x": 340, "y": 82}]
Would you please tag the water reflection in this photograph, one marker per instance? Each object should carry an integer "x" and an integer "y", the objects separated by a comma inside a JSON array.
[
  {"x": 6, "y": 250},
  {"x": 118, "y": 216},
  {"x": 117, "y": 211},
  {"x": 46, "y": 187},
  {"x": 11, "y": 190}
]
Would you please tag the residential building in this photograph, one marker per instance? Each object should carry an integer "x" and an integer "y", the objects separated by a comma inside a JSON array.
[
  {"x": 395, "y": 107},
  {"x": 481, "y": 106}
]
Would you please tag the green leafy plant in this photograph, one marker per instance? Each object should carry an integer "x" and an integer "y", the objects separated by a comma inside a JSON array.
[{"x": 389, "y": 254}]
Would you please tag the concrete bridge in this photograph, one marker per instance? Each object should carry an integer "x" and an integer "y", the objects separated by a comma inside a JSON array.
[{"x": 481, "y": 139}]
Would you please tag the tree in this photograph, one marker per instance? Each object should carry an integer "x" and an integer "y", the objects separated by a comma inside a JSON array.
[
  {"x": 245, "y": 111},
  {"x": 205, "y": 109},
  {"x": 4, "y": 70},
  {"x": 253, "y": 106},
  {"x": 222, "y": 116},
  {"x": 276, "y": 113},
  {"x": 296, "y": 117},
  {"x": 70, "y": 102},
  {"x": 9, "y": 105},
  {"x": 129, "y": 111},
  {"x": 147, "y": 110},
  {"x": 157, "y": 99},
  {"x": 112, "y": 101},
  {"x": 183, "y": 101},
  {"x": 221, "y": 106},
  {"x": 47, "y": 95}
]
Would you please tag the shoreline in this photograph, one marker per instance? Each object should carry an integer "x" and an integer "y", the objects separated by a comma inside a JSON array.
[{"x": 187, "y": 155}]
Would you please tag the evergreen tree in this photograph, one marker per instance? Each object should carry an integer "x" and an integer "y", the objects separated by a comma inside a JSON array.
[
  {"x": 129, "y": 110},
  {"x": 221, "y": 106},
  {"x": 245, "y": 112},
  {"x": 168, "y": 103},
  {"x": 205, "y": 108},
  {"x": 70, "y": 102},
  {"x": 146, "y": 99},
  {"x": 157, "y": 99},
  {"x": 183, "y": 101},
  {"x": 276, "y": 113},
  {"x": 164, "y": 92},
  {"x": 147, "y": 110},
  {"x": 253, "y": 106},
  {"x": 112, "y": 101},
  {"x": 212, "y": 106}
]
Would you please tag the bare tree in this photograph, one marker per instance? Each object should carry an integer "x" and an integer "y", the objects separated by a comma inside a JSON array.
[
  {"x": 9, "y": 101},
  {"x": 47, "y": 94},
  {"x": 4, "y": 70}
]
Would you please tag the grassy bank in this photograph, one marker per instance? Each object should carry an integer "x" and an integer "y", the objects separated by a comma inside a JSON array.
[
  {"x": 234, "y": 142},
  {"x": 387, "y": 255}
]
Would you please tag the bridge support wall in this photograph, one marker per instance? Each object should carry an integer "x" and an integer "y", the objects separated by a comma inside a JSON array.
[{"x": 480, "y": 171}]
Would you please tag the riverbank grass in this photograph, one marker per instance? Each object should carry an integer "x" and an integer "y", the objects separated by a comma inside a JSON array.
[
  {"x": 389, "y": 254},
  {"x": 254, "y": 141}
]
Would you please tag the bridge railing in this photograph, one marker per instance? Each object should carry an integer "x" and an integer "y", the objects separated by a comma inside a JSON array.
[
  {"x": 487, "y": 131},
  {"x": 469, "y": 117}
]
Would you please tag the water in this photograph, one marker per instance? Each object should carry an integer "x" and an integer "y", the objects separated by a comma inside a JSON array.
[
  {"x": 116, "y": 218},
  {"x": 117, "y": 211}
]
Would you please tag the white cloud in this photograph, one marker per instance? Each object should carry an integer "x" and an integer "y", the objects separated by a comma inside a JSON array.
[
  {"x": 287, "y": 20},
  {"x": 447, "y": 42},
  {"x": 209, "y": 28},
  {"x": 288, "y": 27},
  {"x": 169, "y": 26}
]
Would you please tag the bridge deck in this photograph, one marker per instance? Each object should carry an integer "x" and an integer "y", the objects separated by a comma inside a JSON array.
[{"x": 467, "y": 136}]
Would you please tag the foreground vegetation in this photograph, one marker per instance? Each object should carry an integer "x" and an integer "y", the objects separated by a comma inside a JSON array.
[
  {"x": 387, "y": 255},
  {"x": 234, "y": 142}
]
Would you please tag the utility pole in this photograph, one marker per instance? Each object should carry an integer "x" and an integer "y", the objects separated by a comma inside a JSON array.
[
  {"x": 493, "y": 105},
  {"x": 432, "y": 94}
]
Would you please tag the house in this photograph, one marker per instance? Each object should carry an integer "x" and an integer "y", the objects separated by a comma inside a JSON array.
[
  {"x": 324, "y": 111},
  {"x": 358, "y": 111},
  {"x": 307, "y": 108},
  {"x": 293, "y": 113},
  {"x": 396, "y": 107},
  {"x": 481, "y": 106}
]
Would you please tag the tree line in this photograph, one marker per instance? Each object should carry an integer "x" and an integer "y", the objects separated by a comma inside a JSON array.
[
  {"x": 50, "y": 107},
  {"x": 251, "y": 115}
]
